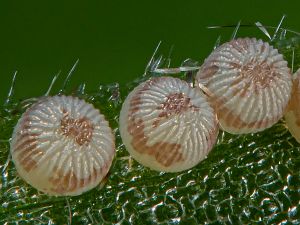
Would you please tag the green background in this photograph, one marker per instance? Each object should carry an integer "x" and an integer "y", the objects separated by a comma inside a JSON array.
[{"x": 115, "y": 39}]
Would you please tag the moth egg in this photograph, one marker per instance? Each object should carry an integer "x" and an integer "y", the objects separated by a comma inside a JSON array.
[
  {"x": 292, "y": 115},
  {"x": 62, "y": 145},
  {"x": 250, "y": 84},
  {"x": 166, "y": 125}
]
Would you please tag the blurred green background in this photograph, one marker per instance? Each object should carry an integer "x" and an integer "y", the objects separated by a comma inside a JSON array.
[{"x": 115, "y": 39}]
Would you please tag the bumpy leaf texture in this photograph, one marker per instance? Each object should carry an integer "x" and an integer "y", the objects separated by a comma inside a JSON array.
[{"x": 246, "y": 179}]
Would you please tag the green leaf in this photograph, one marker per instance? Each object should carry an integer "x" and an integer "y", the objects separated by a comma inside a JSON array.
[{"x": 246, "y": 179}]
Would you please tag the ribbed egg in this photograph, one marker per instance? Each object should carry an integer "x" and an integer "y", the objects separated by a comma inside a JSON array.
[
  {"x": 249, "y": 82},
  {"x": 292, "y": 115},
  {"x": 166, "y": 125},
  {"x": 62, "y": 146}
]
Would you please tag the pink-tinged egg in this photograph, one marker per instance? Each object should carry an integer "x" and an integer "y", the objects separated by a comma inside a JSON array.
[
  {"x": 249, "y": 82},
  {"x": 292, "y": 115},
  {"x": 62, "y": 146},
  {"x": 166, "y": 125}
]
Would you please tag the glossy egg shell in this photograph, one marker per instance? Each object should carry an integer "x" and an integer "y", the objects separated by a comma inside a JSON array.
[
  {"x": 250, "y": 84},
  {"x": 166, "y": 125},
  {"x": 62, "y": 146}
]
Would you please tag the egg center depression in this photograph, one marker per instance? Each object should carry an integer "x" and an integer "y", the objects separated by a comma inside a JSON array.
[
  {"x": 174, "y": 105},
  {"x": 80, "y": 129},
  {"x": 257, "y": 73},
  {"x": 164, "y": 152}
]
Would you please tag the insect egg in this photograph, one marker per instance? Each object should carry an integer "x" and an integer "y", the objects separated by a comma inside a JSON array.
[
  {"x": 62, "y": 145},
  {"x": 292, "y": 115},
  {"x": 166, "y": 125},
  {"x": 250, "y": 84}
]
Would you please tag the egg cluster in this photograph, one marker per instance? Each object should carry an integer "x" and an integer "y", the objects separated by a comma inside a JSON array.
[{"x": 64, "y": 146}]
